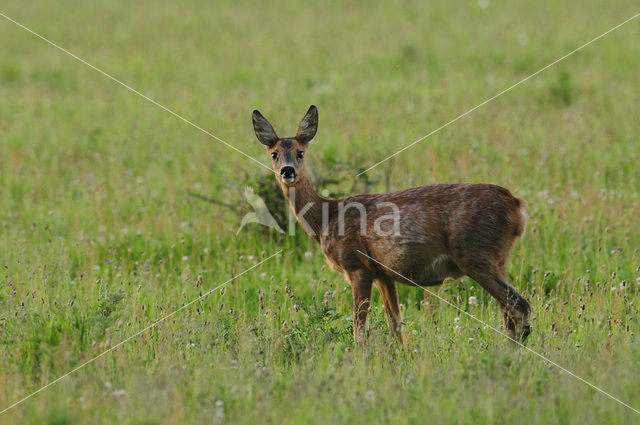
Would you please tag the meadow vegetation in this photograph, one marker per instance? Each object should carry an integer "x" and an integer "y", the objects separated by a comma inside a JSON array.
[{"x": 100, "y": 234}]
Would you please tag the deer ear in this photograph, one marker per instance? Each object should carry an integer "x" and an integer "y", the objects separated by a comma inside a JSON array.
[
  {"x": 264, "y": 131},
  {"x": 308, "y": 126}
]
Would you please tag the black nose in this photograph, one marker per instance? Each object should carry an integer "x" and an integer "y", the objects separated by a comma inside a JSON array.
[{"x": 288, "y": 172}]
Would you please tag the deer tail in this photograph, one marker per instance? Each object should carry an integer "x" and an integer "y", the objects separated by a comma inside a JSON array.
[{"x": 523, "y": 217}]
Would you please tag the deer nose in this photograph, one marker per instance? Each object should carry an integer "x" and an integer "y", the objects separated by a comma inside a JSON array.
[{"x": 288, "y": 173}]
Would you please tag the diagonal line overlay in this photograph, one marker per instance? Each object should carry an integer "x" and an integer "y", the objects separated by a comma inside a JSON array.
[
  {"x": 175, "y": 114},
  {"x": 157, "y": 322},
  {"x": 505, "y": 335},
  {"x": 265, "y": 166},
  {"x": 499, "y": 94}
]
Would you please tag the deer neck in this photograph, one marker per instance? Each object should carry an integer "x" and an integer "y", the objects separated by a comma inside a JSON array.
[{"x": 307, "y": 206}]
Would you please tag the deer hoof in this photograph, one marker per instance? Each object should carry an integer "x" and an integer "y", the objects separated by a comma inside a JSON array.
[{"x": 526, "y": 330}]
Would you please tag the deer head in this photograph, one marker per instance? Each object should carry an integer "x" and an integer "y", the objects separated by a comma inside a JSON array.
[{"x": 287, "y": 153}]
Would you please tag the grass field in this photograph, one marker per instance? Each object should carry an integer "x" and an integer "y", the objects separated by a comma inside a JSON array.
[{"x": 99, "y": 236}]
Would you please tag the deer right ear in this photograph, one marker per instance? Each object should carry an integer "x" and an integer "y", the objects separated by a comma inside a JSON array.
[
  {"x": 264, "y": 131},
  {"x": 308, "y": 126}
]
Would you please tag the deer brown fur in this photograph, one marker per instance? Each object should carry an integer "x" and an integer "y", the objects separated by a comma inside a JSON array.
[{"x": 422, "y": 235}]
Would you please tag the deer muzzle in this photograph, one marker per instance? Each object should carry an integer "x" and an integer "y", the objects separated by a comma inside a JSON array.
[{"x": 288, "y": 174}]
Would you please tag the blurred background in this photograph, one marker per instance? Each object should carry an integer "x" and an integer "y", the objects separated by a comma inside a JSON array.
[{"x": 115, "y": 212}]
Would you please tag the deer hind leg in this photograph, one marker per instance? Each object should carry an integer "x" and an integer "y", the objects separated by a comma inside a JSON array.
[
  {"x": 361, "y": 282},
  {"x": 509, "y": 323},
  {"x": 516, "y": 310},
  {"x": 389, "y": 293}
]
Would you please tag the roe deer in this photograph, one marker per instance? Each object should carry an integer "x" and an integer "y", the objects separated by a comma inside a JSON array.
[{"x": 435, "y": 232}]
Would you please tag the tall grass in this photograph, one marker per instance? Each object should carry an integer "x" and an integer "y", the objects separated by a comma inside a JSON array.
[{"x": 99, "y": 236}]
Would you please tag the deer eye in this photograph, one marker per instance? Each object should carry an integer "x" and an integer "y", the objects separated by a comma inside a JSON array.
[
  {"x": 274, "y": 155},
  {"x": 300, "y": 154}
]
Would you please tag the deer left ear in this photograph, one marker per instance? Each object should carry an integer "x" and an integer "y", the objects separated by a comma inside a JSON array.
[
  {"x": 264, "y": 131},
  {"x": 308, "y": 126}
]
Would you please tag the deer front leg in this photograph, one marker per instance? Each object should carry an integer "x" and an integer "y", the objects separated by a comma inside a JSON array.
[
  {"x": 389, "y": 293},
  {"x": 361, "y": 286}
]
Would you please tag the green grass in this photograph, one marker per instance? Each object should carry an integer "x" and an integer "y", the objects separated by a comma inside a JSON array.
[{"x": 100, "y": 238}]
